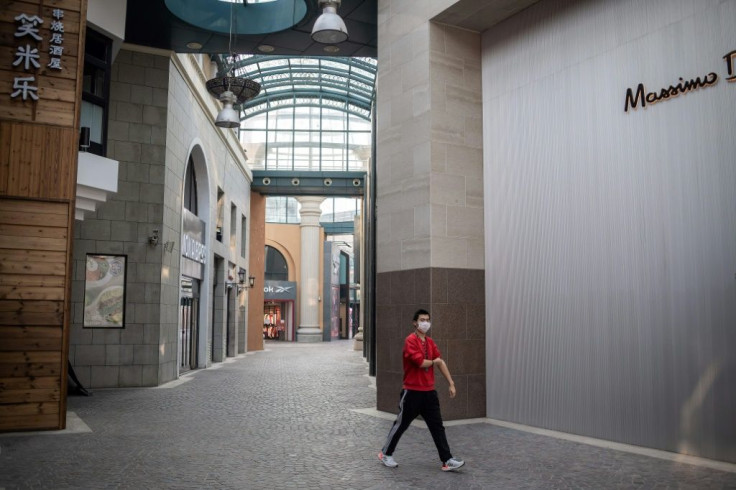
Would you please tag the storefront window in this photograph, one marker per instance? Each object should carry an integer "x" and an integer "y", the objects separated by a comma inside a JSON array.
[
  {"x": 96, "y": 90},
  {"x": 190, "y": 188},
  {"x": 275, "y": 264}
]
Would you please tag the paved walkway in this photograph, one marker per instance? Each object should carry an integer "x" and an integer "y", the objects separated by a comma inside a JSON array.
[{"x": 294, "y": 417}]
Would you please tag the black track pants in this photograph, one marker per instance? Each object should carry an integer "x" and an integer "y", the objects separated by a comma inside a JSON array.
[{"x": 412, "y": 404}]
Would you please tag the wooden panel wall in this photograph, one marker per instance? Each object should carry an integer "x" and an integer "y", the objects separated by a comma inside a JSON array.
[
  {"x": 34, "y": 240},
  {"x": 35, "y": 160},
  {"x": 38, "y": 172}
]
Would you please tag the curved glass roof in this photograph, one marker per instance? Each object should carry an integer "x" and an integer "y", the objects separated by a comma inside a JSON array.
[{"x": 346, "y": 84}]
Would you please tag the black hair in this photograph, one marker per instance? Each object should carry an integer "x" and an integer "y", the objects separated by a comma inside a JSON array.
[{"x": 420, "y": 312}]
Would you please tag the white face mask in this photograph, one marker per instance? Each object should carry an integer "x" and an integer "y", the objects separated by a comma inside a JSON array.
[{"x": 423, "y": 326}]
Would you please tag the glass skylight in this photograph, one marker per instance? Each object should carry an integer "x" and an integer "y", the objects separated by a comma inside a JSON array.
[{"x": 311, "y": 114}]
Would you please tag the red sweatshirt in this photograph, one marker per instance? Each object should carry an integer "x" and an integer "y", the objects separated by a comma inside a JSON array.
[{"x": 415, "y": 352}]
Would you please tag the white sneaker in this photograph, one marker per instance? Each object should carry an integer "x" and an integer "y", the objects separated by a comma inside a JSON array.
[
  {"x": 387, "y": 460},
  {"x": 452, "y": 464}
]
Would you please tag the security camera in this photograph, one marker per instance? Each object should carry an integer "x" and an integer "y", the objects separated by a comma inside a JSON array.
[{"x": 153, "y": 239}]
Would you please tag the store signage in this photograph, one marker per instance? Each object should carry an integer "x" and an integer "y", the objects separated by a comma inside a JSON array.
[
  {"x": 640, "y": 97},
  {"x": 192, "y": 246},
  {"x": 26, "y": 55},
  {"x": 279, "y": 290},
  {"x": 730, "y": 60},
  {"x": 193, "y": 249}
]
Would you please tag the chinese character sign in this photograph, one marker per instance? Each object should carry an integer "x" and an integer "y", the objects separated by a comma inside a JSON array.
[
  {"x": 27, "y": 53},
  {"x": 41, "y": 61},
  {"x": 56, "y": 47}
]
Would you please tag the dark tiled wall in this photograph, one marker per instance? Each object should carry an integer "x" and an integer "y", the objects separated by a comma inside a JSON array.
[{"x": 455, "y": 299}]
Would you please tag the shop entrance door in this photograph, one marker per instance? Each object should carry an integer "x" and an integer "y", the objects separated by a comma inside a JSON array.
[
  {"x": 189, "y": 328},
  {"x": 278, "y": 320}
]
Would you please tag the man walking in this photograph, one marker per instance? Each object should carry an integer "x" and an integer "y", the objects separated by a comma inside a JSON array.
[{"x": 418, "y": 396}]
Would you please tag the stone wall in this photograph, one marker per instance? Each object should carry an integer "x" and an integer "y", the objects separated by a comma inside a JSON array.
[
  {"x": 221, "y": 172},
  {"x": 455, "y": 299},
  {"x": 160, "y": 116},
  {"x": 129, "y": 356}
]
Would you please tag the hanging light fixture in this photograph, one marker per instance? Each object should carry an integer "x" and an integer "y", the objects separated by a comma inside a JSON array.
[
  {"x": 228, "y": 117},
  {"x": 329, "y": 27},
  {"x": 230, "y": 89}
]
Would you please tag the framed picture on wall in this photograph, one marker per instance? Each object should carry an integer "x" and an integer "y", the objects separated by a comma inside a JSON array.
[{"x": 104, "y": 291}]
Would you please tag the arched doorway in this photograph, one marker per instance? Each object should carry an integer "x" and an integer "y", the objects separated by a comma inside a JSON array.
[
  {"x": 193, "y": 271},
  {"x": 279, "y": 297}
]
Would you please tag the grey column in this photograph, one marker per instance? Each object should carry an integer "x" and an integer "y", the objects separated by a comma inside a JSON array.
[
  {"x": 309, "y": 287},
  {"x": 430, "y": 248}
]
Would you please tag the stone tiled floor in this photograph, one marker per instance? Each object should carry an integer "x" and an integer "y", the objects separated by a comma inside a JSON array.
[{"x": 285, "y": 418}]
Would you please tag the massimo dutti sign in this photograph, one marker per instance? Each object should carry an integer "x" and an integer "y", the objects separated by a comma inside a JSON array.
[{"x": 640, "y": 97}]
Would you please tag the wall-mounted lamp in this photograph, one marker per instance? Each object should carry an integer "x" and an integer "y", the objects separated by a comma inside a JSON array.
[
  {"x": 153, "y": 239},
  {"x": 240, "y": 285},
  {"x": 84, "y": 138},
  {"x": 329, "y": 28}
]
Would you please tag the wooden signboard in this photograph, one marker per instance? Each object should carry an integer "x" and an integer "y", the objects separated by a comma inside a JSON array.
[
  {"x": 41, "y": 47},
  {"x": 45, "y": 90}
]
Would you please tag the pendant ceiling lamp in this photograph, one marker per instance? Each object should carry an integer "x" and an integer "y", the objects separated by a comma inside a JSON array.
[
  {"x": 230, "y": 89},
  {"x": 329, "y": 28},
  {"x": 228, "y": 117}
]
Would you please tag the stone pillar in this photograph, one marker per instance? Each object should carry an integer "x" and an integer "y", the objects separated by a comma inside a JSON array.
[
  {"x": 358, "y": 340},
  {"x": 256, "y": 262},
  {"x": 429, "y": 199},
  {"x": 309, "y": 287}
]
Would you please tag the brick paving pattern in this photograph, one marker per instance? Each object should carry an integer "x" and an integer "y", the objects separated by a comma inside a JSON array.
[{"x": 282, "y": 419}]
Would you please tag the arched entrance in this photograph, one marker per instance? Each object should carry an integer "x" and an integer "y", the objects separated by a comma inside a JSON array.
[
  {"x": 279, "y": 298},
  {"x": 193, "y": 271}
]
